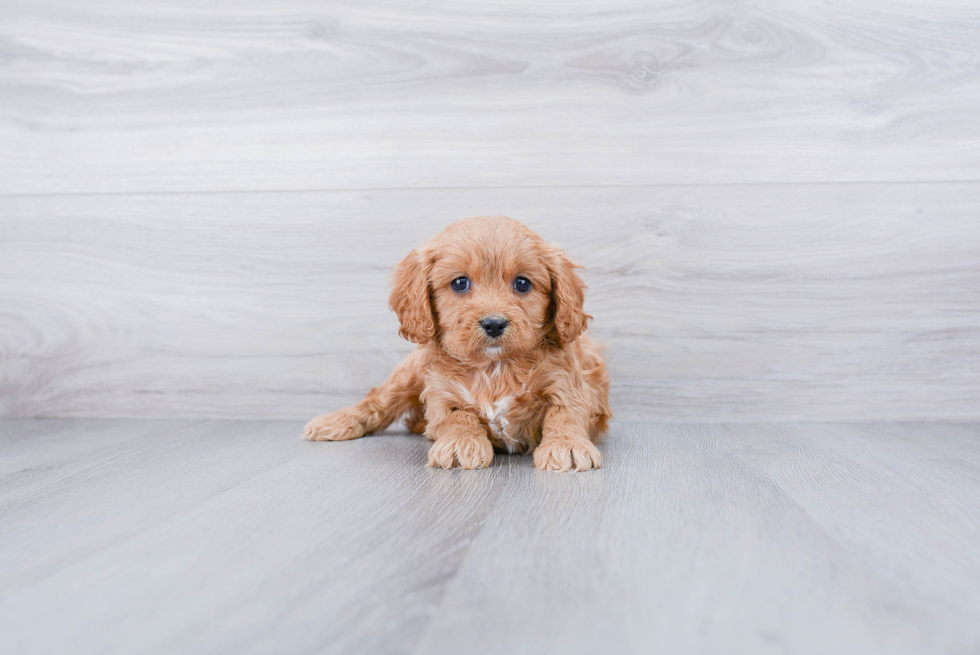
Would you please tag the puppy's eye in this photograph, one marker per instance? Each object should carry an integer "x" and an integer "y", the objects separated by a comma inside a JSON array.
[
  {"x": 461, "y": 284},
  {"x": 522, "y": 285}
]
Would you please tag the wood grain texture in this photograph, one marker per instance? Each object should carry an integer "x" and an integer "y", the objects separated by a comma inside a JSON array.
[
  {"x": 756, "y": 302},
  {"x": 235, "y": 536},
  {"x": 103, "y": 96},
  {"x": 728, "y": 538}
]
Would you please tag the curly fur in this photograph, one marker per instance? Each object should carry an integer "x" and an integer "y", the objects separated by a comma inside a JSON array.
[{"x": 541, "y": 386}]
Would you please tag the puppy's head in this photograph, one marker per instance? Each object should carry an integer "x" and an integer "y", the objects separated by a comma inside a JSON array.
[{"x": 488, "y": 288}]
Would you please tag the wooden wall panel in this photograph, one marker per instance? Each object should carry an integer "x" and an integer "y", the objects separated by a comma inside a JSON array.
[
  {"x": 199, "y": 202},
  {"x": 820, "y": 302},
  {"x": 108, "y": 97}
]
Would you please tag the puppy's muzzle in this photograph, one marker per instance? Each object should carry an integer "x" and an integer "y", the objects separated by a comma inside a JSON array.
[{"x": 494, "y": 326}]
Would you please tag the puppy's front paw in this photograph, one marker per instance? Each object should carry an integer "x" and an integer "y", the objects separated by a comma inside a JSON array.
[
  {"x": 335, "y": 426},
  {"x": 567, "y": 455},
  {"x": 461, "y": 452}
]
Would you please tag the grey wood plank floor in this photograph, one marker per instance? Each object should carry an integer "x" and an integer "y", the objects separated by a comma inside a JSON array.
[{"x": 124, "y": 536}]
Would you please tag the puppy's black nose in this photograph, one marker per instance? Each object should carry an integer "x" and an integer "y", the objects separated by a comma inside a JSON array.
[{"x": 494, "y": 327}]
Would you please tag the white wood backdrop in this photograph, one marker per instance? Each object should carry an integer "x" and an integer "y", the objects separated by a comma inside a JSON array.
[{"x": 777, "y": 203}]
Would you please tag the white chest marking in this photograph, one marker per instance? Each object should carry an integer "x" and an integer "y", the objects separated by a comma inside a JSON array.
[
  {"x": 496, "y": 415},
  {"x": 497, "y": 420},
  {"x": 467, "y": 396}
]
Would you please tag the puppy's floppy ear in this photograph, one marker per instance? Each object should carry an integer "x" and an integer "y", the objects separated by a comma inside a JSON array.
[
  {"x": 567, "y": 297},
  {"x": 410, "y": 298}
]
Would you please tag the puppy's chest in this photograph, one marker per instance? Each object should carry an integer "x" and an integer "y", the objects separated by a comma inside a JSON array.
[{"x": 509, "y": 409}]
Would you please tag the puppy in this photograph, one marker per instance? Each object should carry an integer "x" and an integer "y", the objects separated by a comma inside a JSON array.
[{"x": 503, "y": 361}]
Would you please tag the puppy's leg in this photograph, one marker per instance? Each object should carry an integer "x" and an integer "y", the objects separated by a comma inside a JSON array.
[
  {"x": 415, "y": 419},
  {"x": 565, "y": 443},
  {"x": 461, "y": 441},
  {"x": 379, "y": 408}
]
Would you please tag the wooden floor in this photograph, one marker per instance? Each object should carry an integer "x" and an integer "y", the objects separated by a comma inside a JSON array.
[{"x": 167, "y": 536}]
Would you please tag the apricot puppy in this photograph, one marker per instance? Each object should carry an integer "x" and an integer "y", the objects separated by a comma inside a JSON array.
[{"x": 503, "y": 361}]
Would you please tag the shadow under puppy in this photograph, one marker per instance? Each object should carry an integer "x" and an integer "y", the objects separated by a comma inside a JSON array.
[{"x": 503, "y": 360}]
